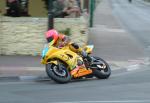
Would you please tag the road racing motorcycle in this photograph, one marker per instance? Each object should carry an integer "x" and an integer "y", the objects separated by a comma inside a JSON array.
[{"x": 63, "y": 65}]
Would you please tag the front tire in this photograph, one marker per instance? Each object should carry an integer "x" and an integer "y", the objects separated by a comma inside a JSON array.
[
  {"x": 102, "y": 73},
  {"x": 59, "y": 76}
]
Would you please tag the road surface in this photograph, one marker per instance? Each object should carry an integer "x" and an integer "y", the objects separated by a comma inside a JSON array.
[
  {"x": 128, "y": 85},
  {"x": 134, "y": 17}
]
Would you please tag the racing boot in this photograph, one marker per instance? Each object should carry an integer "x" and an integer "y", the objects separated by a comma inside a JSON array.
[{"x": 86, "y": 56}]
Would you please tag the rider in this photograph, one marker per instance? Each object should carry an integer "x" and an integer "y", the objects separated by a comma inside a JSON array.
[{"x": 60, "y": 40}]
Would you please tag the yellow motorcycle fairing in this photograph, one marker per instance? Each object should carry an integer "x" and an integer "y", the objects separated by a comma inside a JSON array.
[
  {"x": 53, "y": 54},
  {"x": 64, "y": 54}
]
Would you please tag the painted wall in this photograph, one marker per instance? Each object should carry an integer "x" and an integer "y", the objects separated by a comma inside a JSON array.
[
  {"x": 36, "y": 8},
  {"x": 2, "y": 6}
]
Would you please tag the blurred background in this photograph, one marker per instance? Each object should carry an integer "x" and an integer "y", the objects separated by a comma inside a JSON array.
[
  {"x": 23, "y": 23},
  {"x": 35, "y": 8}
]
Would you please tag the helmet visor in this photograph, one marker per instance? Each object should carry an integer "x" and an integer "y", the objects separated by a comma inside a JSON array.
[{"x": 49, "y": 39}]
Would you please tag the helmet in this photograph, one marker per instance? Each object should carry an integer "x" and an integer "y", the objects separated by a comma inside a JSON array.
[
  {"x": 52, "y": 35},
  {"x": 74, "y": 47}
]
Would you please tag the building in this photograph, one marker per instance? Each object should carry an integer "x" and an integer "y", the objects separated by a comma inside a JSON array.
[{"x": 37, "y": 8}]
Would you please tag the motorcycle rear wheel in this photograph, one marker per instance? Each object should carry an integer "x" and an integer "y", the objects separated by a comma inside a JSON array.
[
  {"x": 102, "y": 73},
  {"x": 61, "y": 75}
]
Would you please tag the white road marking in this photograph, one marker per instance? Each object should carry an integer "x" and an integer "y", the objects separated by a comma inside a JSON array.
[
  {"x": 133, "y": 67},
  {"x": 22, "y": 68},
  {"x": 35, "y": 69},
  {"x": 114, "y": 30},
  {"x": 117, "y": 101},
  {"x": 105, "y": 28}
]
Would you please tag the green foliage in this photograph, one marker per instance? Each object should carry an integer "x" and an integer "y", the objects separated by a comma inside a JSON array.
[{"x": 67, "y": 31}]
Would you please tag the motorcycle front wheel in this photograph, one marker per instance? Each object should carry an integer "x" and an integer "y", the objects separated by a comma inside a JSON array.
[
  {"x": 102, "y": 70},
  {"x": 59, "y": 75}
]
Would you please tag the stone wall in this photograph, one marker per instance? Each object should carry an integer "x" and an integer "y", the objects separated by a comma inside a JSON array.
[
  {"x": 25, "y": 35},
  {"x": 78, "y": 26}
]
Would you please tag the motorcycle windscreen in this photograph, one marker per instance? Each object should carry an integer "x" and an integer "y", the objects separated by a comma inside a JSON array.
[
  {"x": 89, "y": 48},
  {"x": 45, "y": 50}
]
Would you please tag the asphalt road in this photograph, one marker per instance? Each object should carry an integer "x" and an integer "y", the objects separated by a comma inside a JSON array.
[
  {"x": 128, "y": 86},
  {"x": 134, "y": 17}
]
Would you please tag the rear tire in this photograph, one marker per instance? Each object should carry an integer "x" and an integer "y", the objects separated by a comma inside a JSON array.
[
  {"x": 102, "y": 73},
  {"x": 51, "y": 72}
]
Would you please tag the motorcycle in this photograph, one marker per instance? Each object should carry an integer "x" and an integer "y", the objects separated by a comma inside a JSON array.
[{"x": 63, "y": 65}]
